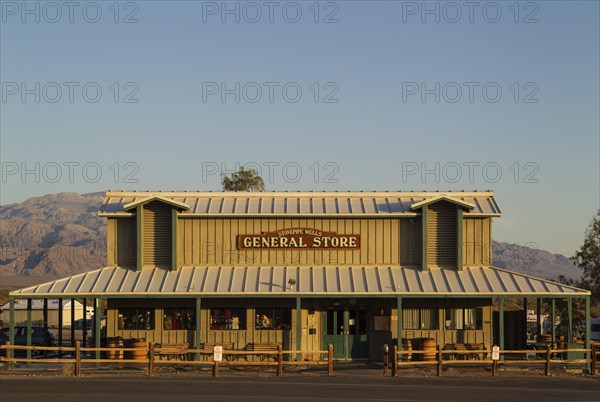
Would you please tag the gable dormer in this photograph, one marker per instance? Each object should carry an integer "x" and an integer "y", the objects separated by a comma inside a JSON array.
[
  {"x": 442, "y": 224},
  {"x": 156, "y": 220}
]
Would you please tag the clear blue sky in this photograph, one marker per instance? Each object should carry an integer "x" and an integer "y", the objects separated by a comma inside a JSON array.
[{"x": 377, "y": 61}]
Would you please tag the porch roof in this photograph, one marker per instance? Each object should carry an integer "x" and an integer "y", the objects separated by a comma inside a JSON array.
[{"x": 310, "y": 281}]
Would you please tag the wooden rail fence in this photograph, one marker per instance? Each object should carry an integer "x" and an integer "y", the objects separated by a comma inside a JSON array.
[
  {"x": 147, "y": 356},
  {"x": 548, "y": 357}
]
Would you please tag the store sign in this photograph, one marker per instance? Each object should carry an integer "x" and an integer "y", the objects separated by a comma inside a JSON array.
[{"x": 300, "y": 238}]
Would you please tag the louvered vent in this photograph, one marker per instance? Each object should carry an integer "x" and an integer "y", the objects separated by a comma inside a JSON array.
[
  {"x": 441, "y": 235},
  {"x": 157, "y": 235}
]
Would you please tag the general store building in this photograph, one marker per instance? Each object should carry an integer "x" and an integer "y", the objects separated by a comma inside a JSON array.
[{"x": 303, "y": 269}]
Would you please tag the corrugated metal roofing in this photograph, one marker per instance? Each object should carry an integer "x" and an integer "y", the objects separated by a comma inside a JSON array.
[
  {"x": 230, "y": 281},
  {"x": 379, "y": 203}
]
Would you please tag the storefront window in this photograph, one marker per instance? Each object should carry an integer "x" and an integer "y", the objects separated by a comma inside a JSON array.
[
  {"x": 227, "y": 318},
  {"x": 273, "y": 318},
  {"x": 179, "y": 318},
  {"x": 419, "y": 318},
  {"x": 464, "y": 318},
  {"x": 136, "y": 318}
]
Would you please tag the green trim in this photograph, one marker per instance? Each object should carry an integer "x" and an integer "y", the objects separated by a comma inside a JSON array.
[
  {"x": 11, "y": 324},
  {"x": 459, "y": 238},
  {"x": 298, "y": 325},
  {"x": 399, "y": 322},
  {"x": 97, "y": 314},
  {"x": 29, "y": 327},
  {"x": 424, "y": 238},
  {"x": 553, "y": 321},
  {"x": 587, "y": 331},
  {"x": 173, "y": 239},
  {"x": 570, "y": 323},
  {"x": 501, "y": 323},
  {"x": 139, "y": 240},
  {"x": 198, "y": 325},
  {"x": 538, "y": 316}
]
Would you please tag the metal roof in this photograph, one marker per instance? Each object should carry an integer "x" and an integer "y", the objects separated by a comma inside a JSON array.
[
  {"x": 352, "y": 203},
  {"x": 350, "y": 281}
]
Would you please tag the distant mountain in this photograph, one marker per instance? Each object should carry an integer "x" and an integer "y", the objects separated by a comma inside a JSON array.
[
  {"x": 61, "y": 235},
  {"x": 54, "y": 235},
  {"x": 532, "y": 261}
]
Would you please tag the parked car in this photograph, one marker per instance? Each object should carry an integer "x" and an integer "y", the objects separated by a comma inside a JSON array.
[
  {"x": 39, "y": 337},
  {"x": 78, "y": 324}
]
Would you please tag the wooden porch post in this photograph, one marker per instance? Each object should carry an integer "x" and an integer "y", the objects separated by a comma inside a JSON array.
[
  {"x": 501, "y": 323},
  {"x": 298, "y": 326},
  {"x": 60, "y": 326},
  {"x": 538, "y": 315},
  {"x": 399, "y": 323},
  {"x": 97, "y": 325},
  {"x": 524, "y": 344},
  {"x": 198, "y": 325},
  {"x": 84, "y": 327},
  {"x": 587, "y": 331},
  {"x": 45, "y": 313},
  {"x": 570, "y": 325},
  {"x": 553, "y": 321},
  {"x": 29, "y": 329},
  {"x": 72, "y": 322},
  {"x": 11, "y": 324}
]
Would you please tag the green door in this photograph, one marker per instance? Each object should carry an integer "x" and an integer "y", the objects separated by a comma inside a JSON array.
[
  {"x": 335, "y": 331},
  {"x": 347, "y": 330},
  {"x": 358, "y": 330}
]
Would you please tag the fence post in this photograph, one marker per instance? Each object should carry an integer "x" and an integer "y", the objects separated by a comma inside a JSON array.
[
  {"x": 77, "y": 359},
  {"x": 8, "y": 353},
  {"x": 330, "y": 360},
  {"x": 385, "y": 359},
  {"x": 215, "y": 368},
  {"x": 151, "y": 358},
  {"x": 279, "y": 361},
  {"x": 593, "y": 346},
  {"x": 439, "y": 361},
  {"x": 547, "y": 371},
  {"x": 395, "y": 362},
  {"x": 494, "y": 367}
]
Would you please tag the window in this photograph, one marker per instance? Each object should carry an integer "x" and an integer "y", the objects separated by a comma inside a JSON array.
[
  {"x": 464, "y": 318},
  {"x": 419, "y": 318},
  {"x": 273, "y": 318},
  {"x": 227, "y": 318},
  {"x": 179, "y": 318},
  {"x": 136, "y": 318}
]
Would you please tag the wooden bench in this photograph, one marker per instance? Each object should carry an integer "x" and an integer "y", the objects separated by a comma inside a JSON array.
[
  {"x": 269, "y": 348},
  {"x": 476, "y": 347},
  {"x": 172, "y": 350}
]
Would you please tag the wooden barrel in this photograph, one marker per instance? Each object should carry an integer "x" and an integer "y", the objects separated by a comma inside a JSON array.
[
  {"x": 428, "y": 346},
  {"x": 111, "y": 354},
  {"x": 139, "y": 354},
  {"x": 545, "y": 338},
  {"x": 407, "y": 347}
]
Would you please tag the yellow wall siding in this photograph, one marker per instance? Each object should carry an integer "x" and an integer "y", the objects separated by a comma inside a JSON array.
[
  {"x": 477, "y": 241},
  {"x": 202, "y": 241}
]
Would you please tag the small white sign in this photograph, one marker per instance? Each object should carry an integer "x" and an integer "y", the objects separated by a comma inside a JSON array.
[
  {"x": 218, "y": 354},
  {"x": 496, "y": 353}
]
